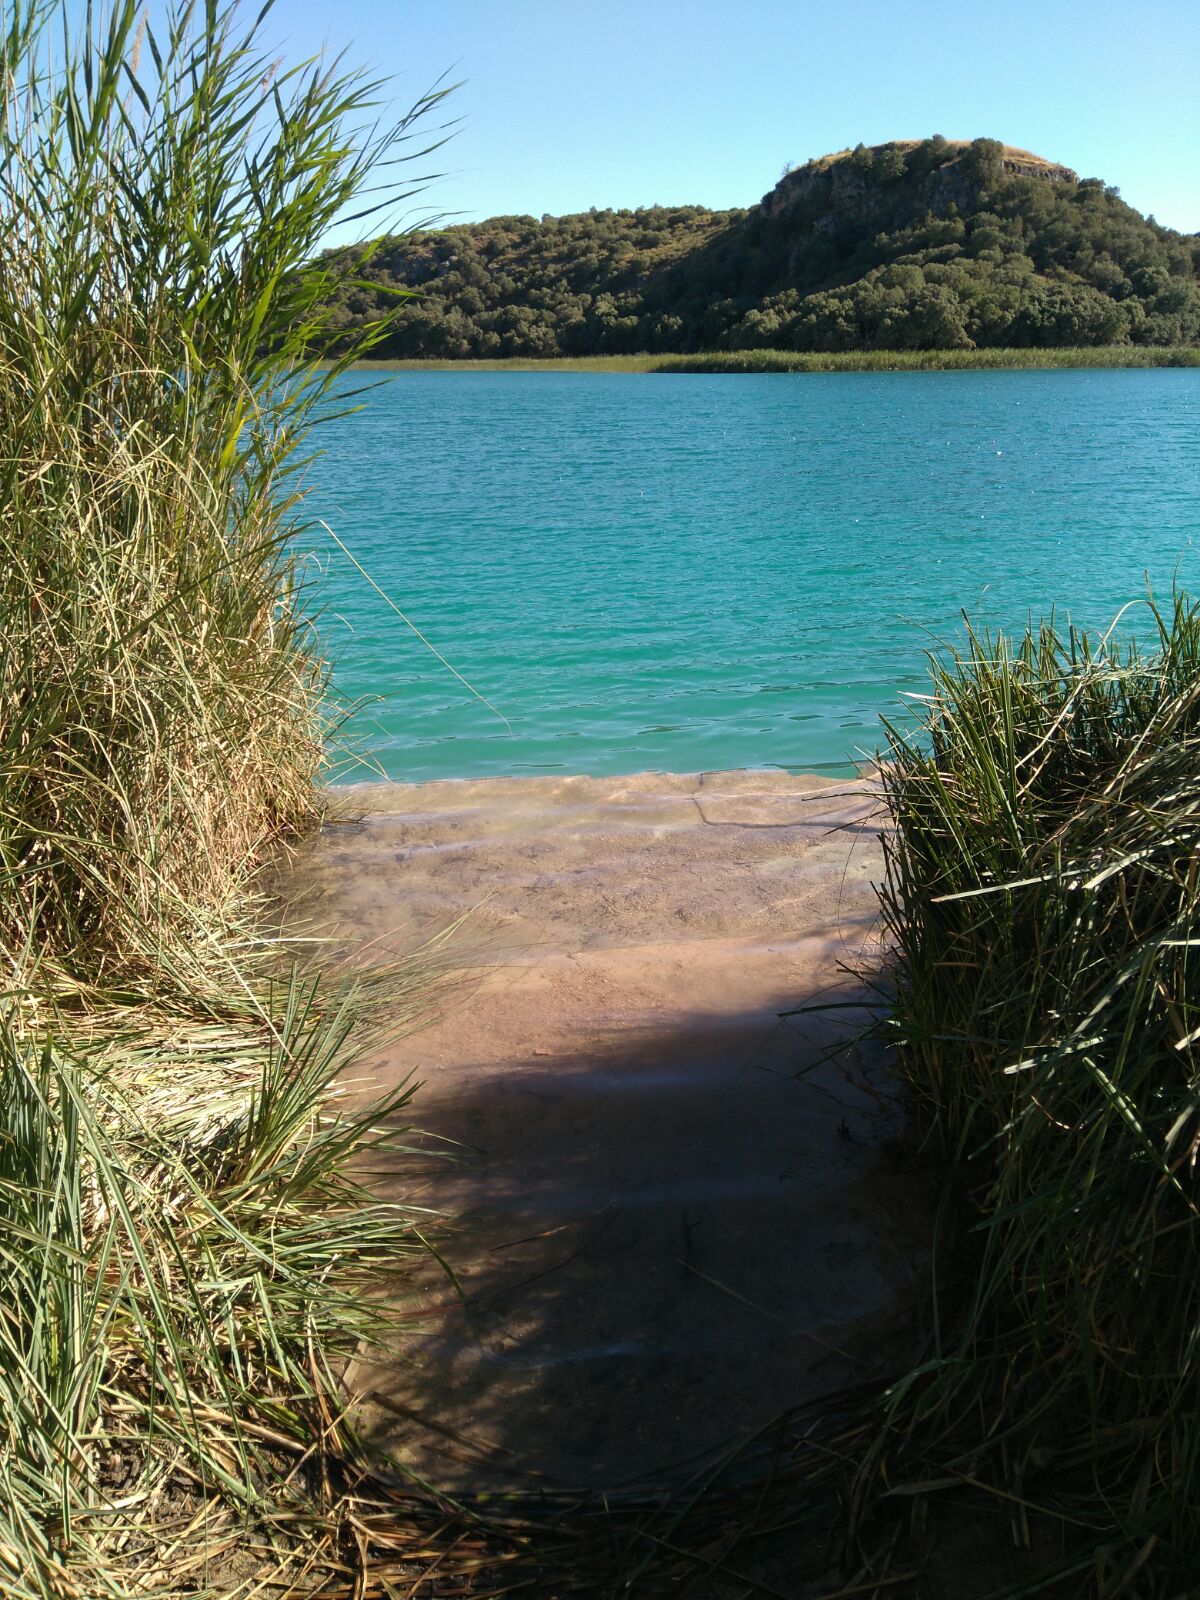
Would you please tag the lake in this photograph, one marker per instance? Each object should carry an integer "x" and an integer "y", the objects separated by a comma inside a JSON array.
[{"x": 698, "y": 572}]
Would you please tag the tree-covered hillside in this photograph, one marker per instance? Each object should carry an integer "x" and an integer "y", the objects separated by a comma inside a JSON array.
[{"x": 927, "y": 244}]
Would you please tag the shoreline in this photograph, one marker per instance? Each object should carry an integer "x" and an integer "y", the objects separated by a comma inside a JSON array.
[
  {"x": 386, "y": 797},
  {"x": 1078, "y": 358}
]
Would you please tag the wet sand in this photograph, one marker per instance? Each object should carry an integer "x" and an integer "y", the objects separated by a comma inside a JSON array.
[{"x": 678, "y": 1213}]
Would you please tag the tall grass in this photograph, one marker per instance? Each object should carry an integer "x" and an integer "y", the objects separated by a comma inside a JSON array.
[
  {"x": 1043, "y": 899},
  {"x": 182, "y": 1253}
]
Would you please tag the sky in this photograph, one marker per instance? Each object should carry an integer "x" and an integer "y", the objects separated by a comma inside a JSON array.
[{"x": 566, "y": 104}]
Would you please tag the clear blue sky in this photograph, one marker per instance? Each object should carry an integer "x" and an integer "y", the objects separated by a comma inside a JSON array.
[{"x": 567, "y": 104}]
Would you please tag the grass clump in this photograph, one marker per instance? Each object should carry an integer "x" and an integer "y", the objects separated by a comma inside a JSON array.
[
  {"x": 183, "y": 1253},
  {"x": 1043, "y": 898}
]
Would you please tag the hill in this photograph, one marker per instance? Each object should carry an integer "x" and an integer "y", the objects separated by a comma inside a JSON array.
[{"x": 918, "y": 244}]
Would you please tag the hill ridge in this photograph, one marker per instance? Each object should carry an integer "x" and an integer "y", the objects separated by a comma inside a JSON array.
[{"x": 910, "y": 244}]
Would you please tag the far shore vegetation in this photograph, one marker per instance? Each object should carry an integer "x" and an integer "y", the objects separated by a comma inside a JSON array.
[
  {"x": 915, "y": 245},
  {"x": 828, "y": 361}
]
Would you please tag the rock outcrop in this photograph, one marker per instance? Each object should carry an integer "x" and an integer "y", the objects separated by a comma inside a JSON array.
[{"x": 857, "y": 181}]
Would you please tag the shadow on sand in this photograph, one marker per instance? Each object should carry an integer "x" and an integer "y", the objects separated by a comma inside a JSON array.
[{"x": 663, "y": 1240}]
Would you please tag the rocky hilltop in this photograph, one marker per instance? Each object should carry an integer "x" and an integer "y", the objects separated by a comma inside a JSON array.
[
  {"x": 915, "y": 244},
  {"x": 844, "y": 179}
]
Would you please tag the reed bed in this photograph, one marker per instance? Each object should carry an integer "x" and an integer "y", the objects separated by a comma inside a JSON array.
[
  {"x": 1124, "y": 355},
  {"x": 184, "y": 1253}
]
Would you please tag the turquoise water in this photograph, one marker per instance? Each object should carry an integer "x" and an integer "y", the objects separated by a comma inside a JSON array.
[{"x": 700, "y": 572}]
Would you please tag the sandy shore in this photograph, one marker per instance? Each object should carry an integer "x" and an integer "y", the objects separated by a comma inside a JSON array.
[{"x": 678, "y": 1212}]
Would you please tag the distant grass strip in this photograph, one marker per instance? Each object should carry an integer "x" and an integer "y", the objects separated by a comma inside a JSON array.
[
  {"x": 184, "y": 1254},
  {"x": 928, "y": 360},
  {"x": 829, "y": 361}
]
